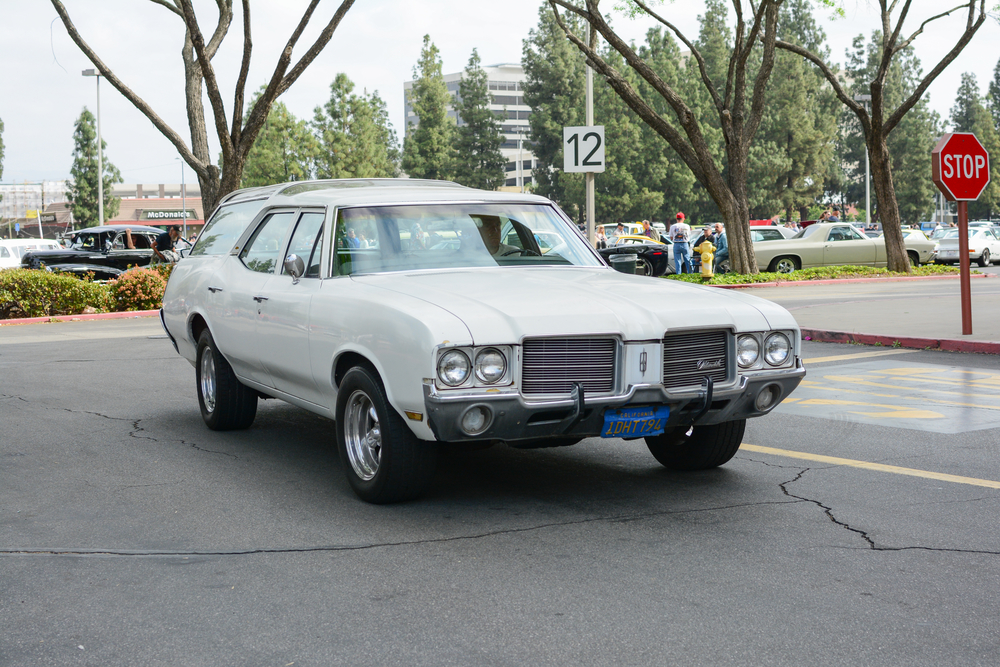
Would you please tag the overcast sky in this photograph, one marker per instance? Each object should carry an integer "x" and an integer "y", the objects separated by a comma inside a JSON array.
[{"x": 376, "y": 45}]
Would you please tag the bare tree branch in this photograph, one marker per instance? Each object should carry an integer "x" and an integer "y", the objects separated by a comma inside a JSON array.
[
  {"x": 168, "y": 5},
  {"x": 764, "y": 74},
  {"x": 241, "y": 80},
  {"x": 908, "y": 40}
]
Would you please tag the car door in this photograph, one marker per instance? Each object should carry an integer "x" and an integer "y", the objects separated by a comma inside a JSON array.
[
  {"x": 283, "y": 321},
  {"x": 237, "y": 289},
  {"x": 844, "y": 245}
]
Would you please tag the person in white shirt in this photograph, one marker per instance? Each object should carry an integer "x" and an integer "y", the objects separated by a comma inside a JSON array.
[{"x": 680, "y": 236}]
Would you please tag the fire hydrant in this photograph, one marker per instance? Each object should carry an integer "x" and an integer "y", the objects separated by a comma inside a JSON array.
[{"x": 707, "y": 251}]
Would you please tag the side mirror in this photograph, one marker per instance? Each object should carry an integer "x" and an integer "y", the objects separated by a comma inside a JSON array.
[{"x": 295, "y": 267}]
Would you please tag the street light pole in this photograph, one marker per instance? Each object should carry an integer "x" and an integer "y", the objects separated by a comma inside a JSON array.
[
  {"x": 184, "y": 200},
  {"x": 100, "y": 149},
  {"x": 589, "y": 176},
  {"x": 868, "y": 196}
]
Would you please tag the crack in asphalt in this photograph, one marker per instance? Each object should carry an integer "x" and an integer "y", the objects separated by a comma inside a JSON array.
[
  {"x": 872, "y": 546},
  {"x": 378, "y": 545}
]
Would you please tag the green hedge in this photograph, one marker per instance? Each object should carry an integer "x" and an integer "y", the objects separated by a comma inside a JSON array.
[
  {"x": 819, "y": 273},
  {"x": 33, "y": 293}
]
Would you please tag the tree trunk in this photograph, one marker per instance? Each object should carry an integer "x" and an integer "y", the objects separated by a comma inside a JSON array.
[
  {"x": 885, "y": 195},
  {"x": 737, "y": 215}
]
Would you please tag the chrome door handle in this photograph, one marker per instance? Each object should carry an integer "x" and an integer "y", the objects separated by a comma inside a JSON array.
[
  {"x": 260, "y": 299},
  {"x": 213, "y": 290}
]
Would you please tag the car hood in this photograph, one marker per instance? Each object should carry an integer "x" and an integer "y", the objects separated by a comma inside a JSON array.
[
  {"x": 67, "y": 255},
  {"x": 504, "y": 305}
]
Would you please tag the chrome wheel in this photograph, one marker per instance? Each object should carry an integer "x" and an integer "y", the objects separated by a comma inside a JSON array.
[
  {"x": 363, "y": 435},
  {"x": 206, "y": 378},
  {"x": 645, "y": 267},
  {"x": 785, "y": 265}
]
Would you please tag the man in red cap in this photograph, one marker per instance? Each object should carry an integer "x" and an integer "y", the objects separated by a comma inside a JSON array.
[{"x": 680, "y": 235}]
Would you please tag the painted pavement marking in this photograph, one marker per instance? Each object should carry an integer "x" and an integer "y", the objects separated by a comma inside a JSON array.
[{"x": 856, "y": 355}]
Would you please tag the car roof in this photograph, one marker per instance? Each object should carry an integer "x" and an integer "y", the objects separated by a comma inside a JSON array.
[
  {"x": 118, "y": 228},
  {"x": 373, "y": 191}
]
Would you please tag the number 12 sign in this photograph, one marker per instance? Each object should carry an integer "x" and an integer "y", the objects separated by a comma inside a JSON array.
[{"x": 583, "y": 149}]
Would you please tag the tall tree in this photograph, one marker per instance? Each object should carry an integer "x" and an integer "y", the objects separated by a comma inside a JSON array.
[
  {"x": 478, "y": 137},
  {"x": 1, "y": 153},
  {"x": 737, "y": 101},
  {"x": 83, "y": 190},
  {"x": 884, "y": 116},
  {"x": 238, "y": 137},
  {"x": 354, "y": 136},
  {"x": 427, "y": 150},
  {"x": 283, "y": 151},
  {"x": 993, "y": 97},
  {"x": 554, "y": 88},
  {"x": 969, "y": 114}
]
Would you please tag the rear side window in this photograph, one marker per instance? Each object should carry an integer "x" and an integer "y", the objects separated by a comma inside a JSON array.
[
  {"x": 221, "y": 232},
  {"x": 262, "y": 252}
]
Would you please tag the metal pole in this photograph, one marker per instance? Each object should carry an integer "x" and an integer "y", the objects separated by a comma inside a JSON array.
[
  {"x": 589, "y": 176},
  {"x": 520, "y": 175},
  {"x": 963, "y": 263},
  {"x": 184, "y": 201},
  {"x": 868, "y": 191},
  {"x": 100, "y": 158}
]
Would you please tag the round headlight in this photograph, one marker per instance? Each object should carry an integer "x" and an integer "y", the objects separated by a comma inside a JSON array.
[
  {"x": 490, "y": 366},
  {"x": 747, "y": 351},
  {"x": 453, "y": 368},
  {"x": 776, "y": 349}
]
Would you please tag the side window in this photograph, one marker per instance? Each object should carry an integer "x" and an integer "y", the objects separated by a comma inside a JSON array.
[
  {"x": 221, "y": 232},
  {"x": 839, "y": 234},
  {"x": 357, "y": 244},
  {"x": 263, "y": 251},
  {"x": 307, "y": 242},
  {"x": 3, "y": 252}
]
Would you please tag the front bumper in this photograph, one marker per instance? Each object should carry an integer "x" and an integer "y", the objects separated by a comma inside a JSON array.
[{"x": 512, "y": 418}]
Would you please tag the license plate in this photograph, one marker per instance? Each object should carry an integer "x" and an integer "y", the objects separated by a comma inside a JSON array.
[{"x": 634, "y": 422}]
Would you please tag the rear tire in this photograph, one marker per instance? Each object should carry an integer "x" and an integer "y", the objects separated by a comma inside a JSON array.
[
  {"x": 383, "y": 460},
  {"x": 226, "y": 403},
  {"x": 644, "y": 267},
  {"x": 914, "y": 259},
  {"x": 984, "y": 259},
  {"x": 707, "y": 446}
]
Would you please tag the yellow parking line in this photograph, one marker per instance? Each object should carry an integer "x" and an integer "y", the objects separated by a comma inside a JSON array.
[
  {"x": 880, "y": 467},
  {"x": 857, "y": 355}
]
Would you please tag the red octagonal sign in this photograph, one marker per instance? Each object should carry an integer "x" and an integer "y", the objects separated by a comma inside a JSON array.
[{"x": 960, "y": 166}]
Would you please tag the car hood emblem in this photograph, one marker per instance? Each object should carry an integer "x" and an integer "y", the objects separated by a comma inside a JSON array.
[{"x": 706, "y": 364}]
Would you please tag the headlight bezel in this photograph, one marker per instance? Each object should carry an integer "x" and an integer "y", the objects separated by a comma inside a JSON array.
[
  {"x": 761, "y": 362},
  {"x": 766, "y": 354},
  {"x": 477, "y": 366},
  {"x": 475, "y": 378},
  {"x": 457, "y": 355},
  {"x": 747, "y": 338}
]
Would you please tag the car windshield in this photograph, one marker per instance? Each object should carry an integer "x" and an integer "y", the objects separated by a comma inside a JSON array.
[
  {"x": 953, "y": 233},
  {"x": 437, "y": 236},
  {"x": 87, "y": 242}
]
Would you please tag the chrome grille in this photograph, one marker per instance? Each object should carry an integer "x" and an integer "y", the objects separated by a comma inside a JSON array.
[
  {"x": 552, "y": 365},
  {"x": 682, "y": 354}
]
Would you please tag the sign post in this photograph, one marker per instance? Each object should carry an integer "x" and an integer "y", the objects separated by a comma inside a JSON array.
[{"x": 960, "y": 168}]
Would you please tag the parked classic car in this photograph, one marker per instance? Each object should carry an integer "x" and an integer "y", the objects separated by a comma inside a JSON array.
[
  {"x": 102, "y": 251},
  {"x": 407, "y": 345},
  {"x": 653, "y": 258},
  {"x": 984, "y": 246},
  {"x": 920, "y": 248},
  {"x": 825, "y": 244}
]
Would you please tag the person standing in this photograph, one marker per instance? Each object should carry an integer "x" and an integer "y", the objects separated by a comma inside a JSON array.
[
  {"x": 721, "y": 244},
  {"x": 619, "y": 231},
  {"x": 680, "y": 235},
  {"x": 648, "y": 231},
  {"x": 163, "y": 250},
  {"x": 602, "y": 239}
]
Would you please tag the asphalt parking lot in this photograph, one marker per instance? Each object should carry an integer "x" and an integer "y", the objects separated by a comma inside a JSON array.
[{"x": 857, "y": 526}]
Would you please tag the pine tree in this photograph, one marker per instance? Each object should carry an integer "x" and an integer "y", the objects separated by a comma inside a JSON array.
[
  {"x": 282, "y": 152},
  {"x": 427, "y": 151},
  {"x": 478, "y": 137},
  {"x": 355, "y": 138},
  {"x": 993, "y": 98},
  {"x": 82, "y": 195},
  {"x": 969, "y": 114}
]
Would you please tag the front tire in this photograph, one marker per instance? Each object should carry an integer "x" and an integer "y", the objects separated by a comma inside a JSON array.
[
  {"x": 226, "y": 403},
  {"x": 914, "y": 259},
  {"x": 383, "y": 460},
  {"x": 707, "y": 447},
  {"x": 785, "y": 265},
  {"x": 984, "y": 259}
]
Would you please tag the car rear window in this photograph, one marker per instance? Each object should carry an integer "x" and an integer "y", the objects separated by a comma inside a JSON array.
[{"x": 221, "y": 232}]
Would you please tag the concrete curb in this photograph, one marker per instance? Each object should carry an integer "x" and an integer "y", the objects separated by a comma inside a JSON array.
[
  {"x": 909, "y": 342},
  {"x": 74, "y": 318},
  {"x": 838, "y": 281}
]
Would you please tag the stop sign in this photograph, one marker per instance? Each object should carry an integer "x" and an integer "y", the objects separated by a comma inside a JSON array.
[{"x": 960, "y": 166}]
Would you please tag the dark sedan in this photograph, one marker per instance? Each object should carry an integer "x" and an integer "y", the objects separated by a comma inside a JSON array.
[
  {"x": 653, "y": 257},
  {"x": 103, "y": 251}
]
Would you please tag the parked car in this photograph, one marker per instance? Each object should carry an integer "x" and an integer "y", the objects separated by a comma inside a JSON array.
[
  {"x": 919, "y": 248},
  {"x": 12, "y": 250},
  {"x": 406, "y": 347},
  {"x": 984, "y": 246},
  {"x": 824, "y": 244},
  {"x": 758, "y": 234},
  {"x": 102, "y": 251},
  {"x": 653, "y": 258}
]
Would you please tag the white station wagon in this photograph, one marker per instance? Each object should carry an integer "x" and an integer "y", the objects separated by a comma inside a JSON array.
[{"x": 414, "y": 313}]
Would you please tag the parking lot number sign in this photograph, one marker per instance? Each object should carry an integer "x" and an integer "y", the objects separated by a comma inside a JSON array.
[{"x": 583, "y": 149}]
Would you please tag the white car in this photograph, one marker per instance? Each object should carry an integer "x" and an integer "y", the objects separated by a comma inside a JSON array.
[
  {"x": 11, "y": 250},
  {"x": 984, "y": 246},
  {"x": 421, "y": 312}
]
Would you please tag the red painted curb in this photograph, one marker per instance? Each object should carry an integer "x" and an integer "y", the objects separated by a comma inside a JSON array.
[
  {"x": 73, "y": 318},
  {"x": 837, "y": 281},
  {"x": 946, "y": 344}
]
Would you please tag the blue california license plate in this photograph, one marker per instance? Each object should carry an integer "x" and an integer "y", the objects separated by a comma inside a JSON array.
[{"x": 634, "y": 422}]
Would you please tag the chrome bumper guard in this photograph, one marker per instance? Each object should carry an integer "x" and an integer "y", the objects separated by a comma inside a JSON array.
[{"x": 511, "y": 418}]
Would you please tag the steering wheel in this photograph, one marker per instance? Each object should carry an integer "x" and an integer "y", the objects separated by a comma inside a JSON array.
[{"x": 524, "y": 251}]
